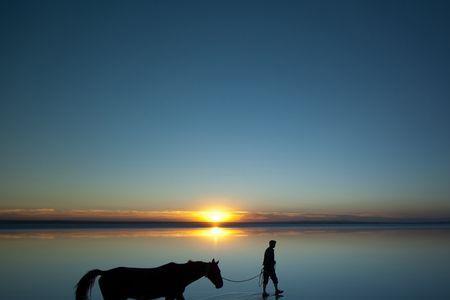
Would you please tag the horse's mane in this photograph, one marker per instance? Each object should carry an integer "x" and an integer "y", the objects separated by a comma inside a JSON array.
[
  {"x": 199, "y": 265},
  {"x": 196, "y": 262}
]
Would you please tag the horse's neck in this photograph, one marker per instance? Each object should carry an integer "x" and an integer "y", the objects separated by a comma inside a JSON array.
[{"x": 194, "y": 272}]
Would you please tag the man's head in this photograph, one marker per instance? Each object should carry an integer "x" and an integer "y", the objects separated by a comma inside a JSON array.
[{"x": 272, "y": 243}]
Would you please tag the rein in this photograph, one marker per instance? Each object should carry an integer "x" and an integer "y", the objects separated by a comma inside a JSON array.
[{"x": 245, "y": 280}]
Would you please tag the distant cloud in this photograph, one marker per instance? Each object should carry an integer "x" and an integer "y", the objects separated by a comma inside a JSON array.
[
  {"x": 96, "y": 214},
  {"x": 26, "y": 212}
]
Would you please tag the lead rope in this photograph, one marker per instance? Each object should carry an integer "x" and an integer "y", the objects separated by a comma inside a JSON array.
[{"x": 245, "y": 280}]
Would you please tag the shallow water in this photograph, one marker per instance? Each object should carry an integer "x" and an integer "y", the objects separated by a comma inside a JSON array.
[{"x": 313, "y": 262}]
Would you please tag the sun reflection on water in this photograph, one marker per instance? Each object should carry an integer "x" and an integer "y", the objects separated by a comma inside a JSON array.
[{"x": 215, "y": 233}]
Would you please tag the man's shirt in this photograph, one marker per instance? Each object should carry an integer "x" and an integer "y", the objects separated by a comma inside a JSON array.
[{"x": 269, "y": 258}]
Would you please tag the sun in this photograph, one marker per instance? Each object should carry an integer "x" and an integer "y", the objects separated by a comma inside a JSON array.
[{"x": 216, "y": 216}]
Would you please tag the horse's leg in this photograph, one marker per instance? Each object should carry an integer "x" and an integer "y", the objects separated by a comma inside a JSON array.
[
  {"x": 108, "y": 291},
  {"x": 104, "y": 289}
]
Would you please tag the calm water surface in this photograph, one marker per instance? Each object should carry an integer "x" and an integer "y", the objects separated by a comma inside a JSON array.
[{"x": 312, "y": 262}]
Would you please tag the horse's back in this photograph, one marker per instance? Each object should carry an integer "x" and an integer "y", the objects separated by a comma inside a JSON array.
[{"x": 126, "y": 271}]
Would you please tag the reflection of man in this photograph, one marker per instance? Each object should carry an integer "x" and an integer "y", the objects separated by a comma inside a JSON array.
[{"x": 269, "y": 269}]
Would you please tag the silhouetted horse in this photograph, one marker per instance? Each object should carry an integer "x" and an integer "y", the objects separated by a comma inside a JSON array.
[{"x": 167, "y": 281}]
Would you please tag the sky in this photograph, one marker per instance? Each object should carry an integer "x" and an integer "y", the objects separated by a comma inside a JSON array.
[{"x": 273, "y": 108}]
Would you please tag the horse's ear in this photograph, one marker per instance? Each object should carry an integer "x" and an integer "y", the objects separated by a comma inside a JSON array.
[
  {"x": 213, "y": 261},
  {"x": 217, "y": 262}
]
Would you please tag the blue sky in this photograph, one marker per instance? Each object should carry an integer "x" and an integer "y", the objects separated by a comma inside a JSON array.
[{"x": 337, "y": 106}]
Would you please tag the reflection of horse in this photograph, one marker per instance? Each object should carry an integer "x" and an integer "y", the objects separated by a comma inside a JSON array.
[{"x": 167, "y": 281}]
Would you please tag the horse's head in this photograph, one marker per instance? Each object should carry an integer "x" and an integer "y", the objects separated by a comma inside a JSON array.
[{"x": 213, "y": 273}]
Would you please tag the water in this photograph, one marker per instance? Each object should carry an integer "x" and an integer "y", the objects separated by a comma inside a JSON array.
[{"x": 316, "y": 262}]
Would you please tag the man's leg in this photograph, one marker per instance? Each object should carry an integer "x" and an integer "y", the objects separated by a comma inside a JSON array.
[
  {"x": 265, "y": 281},
  {"x": 274, "y": 278}
]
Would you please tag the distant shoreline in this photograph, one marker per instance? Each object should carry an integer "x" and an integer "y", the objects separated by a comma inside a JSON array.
[{"x": 86, "y": 224}]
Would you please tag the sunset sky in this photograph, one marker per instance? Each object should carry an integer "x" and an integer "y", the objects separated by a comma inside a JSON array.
[{"x": 273, "y": 110}]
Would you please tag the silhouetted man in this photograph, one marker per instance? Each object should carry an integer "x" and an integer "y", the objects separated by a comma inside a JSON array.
[{"x": 269, "y": 269}]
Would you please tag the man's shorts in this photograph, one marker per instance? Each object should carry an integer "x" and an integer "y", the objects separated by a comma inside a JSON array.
[{"x": 269, "y": 272}]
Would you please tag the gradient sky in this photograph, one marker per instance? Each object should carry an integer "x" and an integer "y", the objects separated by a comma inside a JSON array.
[{"x": 336, "y": 106}]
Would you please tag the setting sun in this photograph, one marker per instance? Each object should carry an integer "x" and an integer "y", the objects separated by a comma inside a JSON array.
[{"x": 216, "y": 216}]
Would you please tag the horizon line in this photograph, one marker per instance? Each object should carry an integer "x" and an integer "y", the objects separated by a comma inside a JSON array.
[{"x": 140, "y": 223}]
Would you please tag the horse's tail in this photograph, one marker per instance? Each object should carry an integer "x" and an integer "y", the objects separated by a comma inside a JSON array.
[{"x": 85, "y": 284}]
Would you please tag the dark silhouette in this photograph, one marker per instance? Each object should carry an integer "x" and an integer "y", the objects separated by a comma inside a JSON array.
[
  {"x": 167, "y": 281},
  {"x": 269, "y": 269}
]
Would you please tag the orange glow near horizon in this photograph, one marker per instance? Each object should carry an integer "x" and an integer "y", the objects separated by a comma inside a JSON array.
[{"x": 211, "y": 215}]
